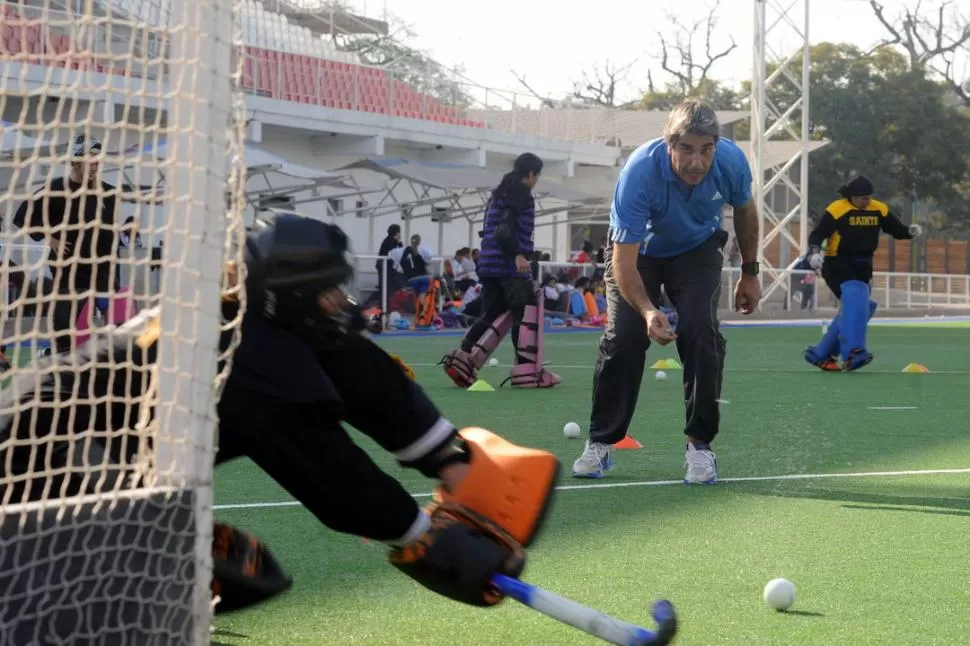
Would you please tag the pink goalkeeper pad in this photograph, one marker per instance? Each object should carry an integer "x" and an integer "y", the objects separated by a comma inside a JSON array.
[{"x": 121, "y": 307}]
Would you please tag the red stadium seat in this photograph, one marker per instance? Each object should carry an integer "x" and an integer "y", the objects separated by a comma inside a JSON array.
[{"x": 290, "y": 77}]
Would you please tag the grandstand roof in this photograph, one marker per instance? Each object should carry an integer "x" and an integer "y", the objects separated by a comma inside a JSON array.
[
  {"x": 456, "y": 177},
  {"x": 326, "y": 17},
  {"x": 626, "y": 128}
]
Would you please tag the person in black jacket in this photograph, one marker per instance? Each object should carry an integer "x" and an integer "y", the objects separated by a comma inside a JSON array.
[{"x": 76, "y": 216}]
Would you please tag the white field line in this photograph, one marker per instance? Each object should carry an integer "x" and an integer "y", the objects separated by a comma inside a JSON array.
[{"x": 665, "y": 483}]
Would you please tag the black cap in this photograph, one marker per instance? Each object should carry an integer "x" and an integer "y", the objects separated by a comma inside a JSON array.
[{"x": 859, "y": 187}]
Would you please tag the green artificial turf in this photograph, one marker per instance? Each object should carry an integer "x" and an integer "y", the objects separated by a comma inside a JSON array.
[{"x": 877, "y": 559}]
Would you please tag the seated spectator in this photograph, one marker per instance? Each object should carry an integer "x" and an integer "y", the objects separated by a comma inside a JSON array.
[
  {"x": 466, "y": 274},
  {"x": 448, "y": 277},
  {"x": 551, "y": 296},
  {"x": 416, "y": 265}
]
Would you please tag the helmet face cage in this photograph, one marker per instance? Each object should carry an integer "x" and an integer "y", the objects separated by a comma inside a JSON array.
[{"x": 296, "y": 264}]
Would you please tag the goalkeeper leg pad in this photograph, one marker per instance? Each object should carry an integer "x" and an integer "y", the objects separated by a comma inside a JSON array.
[
  {"x": 244, "y": 572},
  {"x": 822, "y": 354},
  {"x": 855, "y": 305},
  {"x": 528, "y": 371},
  {"x": 828, "y": 346},
  {"x": 509, "y": 484},
  {"x": 463, "y": 366},
  {"x": 459, "y": 554}
]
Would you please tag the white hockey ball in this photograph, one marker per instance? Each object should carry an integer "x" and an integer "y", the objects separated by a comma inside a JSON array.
[
  {"x": 661, "y": 375},
  {"x": 493, "y": 361},
  {"x": 780, "y": 594},
  {"x": 571, "y": 430}
]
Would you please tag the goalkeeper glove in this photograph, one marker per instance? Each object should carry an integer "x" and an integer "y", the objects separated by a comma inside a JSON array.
[{"x": 458, "y": 555}]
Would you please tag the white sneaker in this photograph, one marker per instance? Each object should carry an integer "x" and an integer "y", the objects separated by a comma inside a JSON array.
[
  {"x": 701, "y": 466},
  {"x": 596, "y": 460}
]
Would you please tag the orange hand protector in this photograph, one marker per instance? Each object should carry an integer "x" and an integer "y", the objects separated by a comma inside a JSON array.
[{"x": 510, "y": 485}]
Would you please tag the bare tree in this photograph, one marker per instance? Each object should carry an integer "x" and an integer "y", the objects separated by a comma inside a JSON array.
[
  {"x": 547, "y": 102},
  {"x": 599, "y": 85},
  {"x": 679, "y": 56},
  {"x": 688, "y": 52},
  {"x": 931, "y": 40}
]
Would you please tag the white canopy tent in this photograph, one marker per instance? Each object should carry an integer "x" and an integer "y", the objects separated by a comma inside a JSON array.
[
  {"x": 449, "y": 191},
  {"x": 267, "y": 175}
]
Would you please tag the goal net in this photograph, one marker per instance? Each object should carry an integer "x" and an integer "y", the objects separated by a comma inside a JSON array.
[{"x": 123, "y": 177}]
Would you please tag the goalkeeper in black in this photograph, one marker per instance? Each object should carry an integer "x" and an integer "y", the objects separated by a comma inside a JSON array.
[
  {"x": 303, "y": 369},
  {"x": 851, "y": 227}
]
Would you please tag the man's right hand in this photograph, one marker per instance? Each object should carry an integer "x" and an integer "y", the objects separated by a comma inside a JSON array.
[
  {"x": 522, "y": 265},
  {"x": 658, "y": 327}
]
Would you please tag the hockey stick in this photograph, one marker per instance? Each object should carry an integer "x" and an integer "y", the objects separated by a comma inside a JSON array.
[{"x": 588, "y": 620}]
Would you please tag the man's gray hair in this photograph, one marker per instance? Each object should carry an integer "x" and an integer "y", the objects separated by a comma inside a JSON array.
[{"x": 694, "y": 117}]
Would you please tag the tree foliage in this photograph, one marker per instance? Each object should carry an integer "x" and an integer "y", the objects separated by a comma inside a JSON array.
[
  {"x": 888, "y": 121},
  {"x": 717, "y": 94}
]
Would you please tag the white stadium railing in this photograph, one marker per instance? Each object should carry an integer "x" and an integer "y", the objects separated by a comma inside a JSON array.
[{"x": 898, "y": 291}]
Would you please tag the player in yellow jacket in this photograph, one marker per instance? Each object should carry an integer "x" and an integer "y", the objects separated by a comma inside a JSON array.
[{"x": 851, "y": 226}]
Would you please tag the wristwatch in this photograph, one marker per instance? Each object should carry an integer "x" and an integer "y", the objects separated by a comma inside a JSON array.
[{"x": 751, "y": 268}]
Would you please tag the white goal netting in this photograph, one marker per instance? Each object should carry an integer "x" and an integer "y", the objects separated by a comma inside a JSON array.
[{"x": 122, "y": 202}]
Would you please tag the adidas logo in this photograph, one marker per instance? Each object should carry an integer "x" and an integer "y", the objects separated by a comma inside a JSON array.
[{"x": 717, "y": 196}]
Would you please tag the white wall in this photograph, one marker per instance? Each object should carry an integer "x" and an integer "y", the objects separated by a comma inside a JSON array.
[{"x": 366, "y": 233}]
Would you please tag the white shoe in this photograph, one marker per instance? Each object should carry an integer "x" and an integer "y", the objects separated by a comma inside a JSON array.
[
  {"x": 596, "y": 460},
  {"x": 701, "y": 466}
]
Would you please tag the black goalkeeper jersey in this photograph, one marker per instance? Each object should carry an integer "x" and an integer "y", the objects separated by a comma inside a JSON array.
[{"x": 853, "y": 233}]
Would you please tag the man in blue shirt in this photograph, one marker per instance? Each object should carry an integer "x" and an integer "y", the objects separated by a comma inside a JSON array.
[{"x": 665, "y": 231}]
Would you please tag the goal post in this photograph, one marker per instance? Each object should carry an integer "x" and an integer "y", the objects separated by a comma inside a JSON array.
[{"x": 123, "y": 199}]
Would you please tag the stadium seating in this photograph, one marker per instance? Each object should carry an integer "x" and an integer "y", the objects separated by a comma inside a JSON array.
[{"x": 281, "y": 61}]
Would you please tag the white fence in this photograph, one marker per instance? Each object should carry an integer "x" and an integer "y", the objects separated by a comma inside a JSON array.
[
  {"x": 900, "y": 291},
  {"x": 889, "y": 289}
]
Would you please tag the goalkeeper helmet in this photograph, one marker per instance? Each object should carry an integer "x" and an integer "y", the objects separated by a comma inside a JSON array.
[{"x": 290, "y": 261}]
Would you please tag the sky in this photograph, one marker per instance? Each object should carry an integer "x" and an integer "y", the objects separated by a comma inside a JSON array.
[{"x": 551, "y": 45}]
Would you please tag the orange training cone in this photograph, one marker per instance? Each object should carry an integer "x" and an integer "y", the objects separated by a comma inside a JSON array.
[{"x": 628, "y": 443}]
